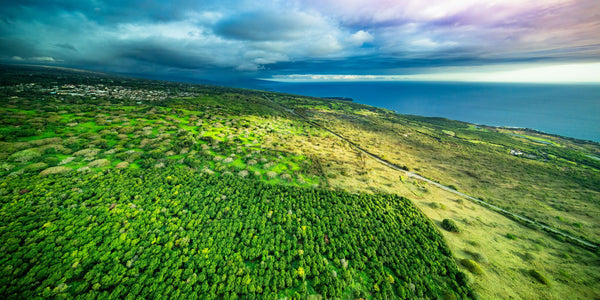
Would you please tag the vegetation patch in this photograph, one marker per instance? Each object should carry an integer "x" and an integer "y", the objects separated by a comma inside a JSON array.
[
  {"x": 478, "y": 257},
  {"x": 450, "y": 225},
  {"x": 173, "y": 232},
  {"x": 539, "y": 277},
  {"x": 472, "y": 266},
  {"x": 55, "y": 170}
]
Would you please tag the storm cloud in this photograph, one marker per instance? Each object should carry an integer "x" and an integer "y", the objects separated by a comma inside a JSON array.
[{"x": 210, "y": 39}]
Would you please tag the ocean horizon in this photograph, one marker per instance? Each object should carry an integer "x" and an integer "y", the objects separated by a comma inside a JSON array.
[{"x": 570, "y": 110}]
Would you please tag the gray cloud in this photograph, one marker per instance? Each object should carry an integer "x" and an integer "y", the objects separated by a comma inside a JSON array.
[
  {"x": 267, "y": 26},
  {"x": 66, "y": 46}
]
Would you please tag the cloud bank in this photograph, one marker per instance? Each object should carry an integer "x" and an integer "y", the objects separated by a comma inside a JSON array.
[{"x": 221, "y": 39}]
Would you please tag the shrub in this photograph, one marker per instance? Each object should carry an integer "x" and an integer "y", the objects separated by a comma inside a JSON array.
[
  {"x": 55, "y": 170},
  {"x": 12, "y": 133},
  {"x": 155, "y": 154},
  {"x": 478, "y": 257},
  {"x": 99, "y": 163},
  {"x": 448, "y": 295},
  {"x": 35, "y": 167},
  {"x": 191, "y": 162},
  {"x": 473, "y": 243},
  {"x": 91, "y": 152},
  {"x": 208, "y": 171},
  {"x": 84, "y": 170},
  {"x": 529, "y": 256},
  {"x": 450, "y": 225},
  {"x": 472, "y": 266},
  {"x": 122, "y": 165},
  {"x": 25, "y": 156},
  {"x": 49, "y": 151},
  {"x": 122, "y": 156},
  {"x": 511, "y": 236},
  {"x": 51, "y": 161},
  {"x": 101, "y": 143},
  {"x": 6, "y": 167},
  {"x": 75, "y": 144},
  {"x": 436, "y": 205},
  {"x": 286, "y": 177},
  {"x": 539, "y": 277}
]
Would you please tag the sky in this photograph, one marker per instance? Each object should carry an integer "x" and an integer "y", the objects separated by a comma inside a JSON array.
[{"x": 310, "y": 40}]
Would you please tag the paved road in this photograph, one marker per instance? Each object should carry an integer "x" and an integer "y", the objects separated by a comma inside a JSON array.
[
  {"x": 485, "y": 204},
  {"x": 492, "y": 207}
]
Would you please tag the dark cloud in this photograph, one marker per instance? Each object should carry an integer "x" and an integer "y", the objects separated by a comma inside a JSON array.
[
  {"x": 385, "y": 65},
  {"x": 10, "y": 47},
  {"x": 107, "y": 11},
  {"x": 265, "y": 26},
  {"x": 66, "y": 46},
  {"x": 162, "y": 55}
]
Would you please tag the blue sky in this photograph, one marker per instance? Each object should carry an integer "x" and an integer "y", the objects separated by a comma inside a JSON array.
[{"x": 553, "y": 40}]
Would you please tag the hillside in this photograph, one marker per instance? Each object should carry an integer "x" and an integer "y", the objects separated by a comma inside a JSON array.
[{"x": 288, "y": 174}]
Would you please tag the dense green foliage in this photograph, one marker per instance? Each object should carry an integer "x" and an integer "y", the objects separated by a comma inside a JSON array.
[
  {"x": 450, "y": 225},
  {"x": 472, "y": 266},
  {"x": 539, "y": 277},
  {"x": 173, "y": 232}
]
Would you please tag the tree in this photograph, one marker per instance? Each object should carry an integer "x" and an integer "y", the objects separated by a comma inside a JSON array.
[{"x": 450, "y": 225}]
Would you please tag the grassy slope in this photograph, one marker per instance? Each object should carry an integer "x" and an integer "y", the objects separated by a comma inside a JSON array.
[
  {"x": 476, "y": 160},
  {"x": 560, "y": 186}
]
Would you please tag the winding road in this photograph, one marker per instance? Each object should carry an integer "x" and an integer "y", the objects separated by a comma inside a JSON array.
[{"x": 575, "y": 240}]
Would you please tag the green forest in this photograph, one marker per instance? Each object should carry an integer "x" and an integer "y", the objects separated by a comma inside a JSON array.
[{"x": 175, "y": 233}]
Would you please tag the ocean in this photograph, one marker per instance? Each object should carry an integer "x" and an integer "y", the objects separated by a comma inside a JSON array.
[{"x": 567, "y": 110}]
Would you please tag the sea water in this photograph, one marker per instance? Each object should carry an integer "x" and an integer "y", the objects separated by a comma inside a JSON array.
[{"x": 571, "y": 110}]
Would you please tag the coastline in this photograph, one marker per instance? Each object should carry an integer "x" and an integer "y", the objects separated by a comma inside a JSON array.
[{"x": 537, "y": 107}]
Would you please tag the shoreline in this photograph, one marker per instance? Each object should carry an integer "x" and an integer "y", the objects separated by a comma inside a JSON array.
[{"x": 532, "y": 107}]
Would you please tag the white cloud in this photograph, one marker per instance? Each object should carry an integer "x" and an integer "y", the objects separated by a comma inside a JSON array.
[
  {"x": 477, "y": 29},
  {"x": 424, "y": 43},
  {"x": 566, "y": 73},
  {"x": 44, "y": 59},
  {"x": 246, "y": 42},
  {"x": 360, "y": 37}
]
